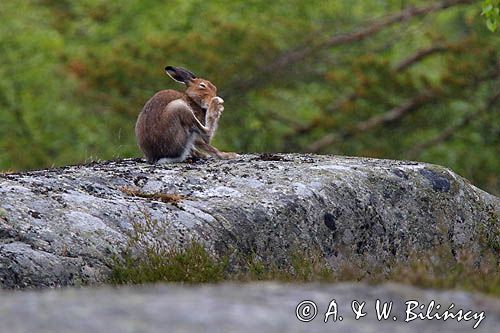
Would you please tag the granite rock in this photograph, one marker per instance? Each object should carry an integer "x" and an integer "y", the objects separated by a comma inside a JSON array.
[{"x": 64, "y": 226}]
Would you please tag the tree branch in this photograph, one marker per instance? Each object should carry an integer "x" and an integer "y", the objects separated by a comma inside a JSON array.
[
  {"x": 402, "y": 66},
  {"x": 390, "y": 116},
  {"x": 450, "y": 131},
  {"x": 418, "y": 56},
  {"x": 395, "y": 113},
  {"x": 298, "y": 54}
]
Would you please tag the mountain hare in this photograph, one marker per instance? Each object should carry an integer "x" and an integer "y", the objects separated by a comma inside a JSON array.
[{"x": 174, "y": 125}]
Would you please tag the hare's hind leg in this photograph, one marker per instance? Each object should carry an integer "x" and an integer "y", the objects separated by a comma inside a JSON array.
[
  {"x": 212, "y": 118},
  {"x": 188, "y": 148},
  {"x": 182, "y": 128},
  {"x": 212, "y": 151},
  {"x": 198, "y": 153},
  {"x": 198, "y": 142}
]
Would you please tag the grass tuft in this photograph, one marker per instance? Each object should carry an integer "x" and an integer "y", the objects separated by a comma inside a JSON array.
[
  {"x": 148, "y": 260},
  {"x": 191, "y": 265}
]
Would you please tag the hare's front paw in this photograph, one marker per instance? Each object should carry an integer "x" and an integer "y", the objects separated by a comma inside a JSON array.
[
  {"x": 218, "y": 100},
  {"x": 217, "y": 103},
  {"x": 215, "y": 109}
]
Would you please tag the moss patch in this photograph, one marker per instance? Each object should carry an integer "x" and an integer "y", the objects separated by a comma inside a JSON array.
[
  {"x": 191, "y": 265},
  {"x": 148, "y": 260}
]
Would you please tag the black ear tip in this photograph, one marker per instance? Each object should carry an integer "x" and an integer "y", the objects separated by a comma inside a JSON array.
[{"x": 169, "y": 68}]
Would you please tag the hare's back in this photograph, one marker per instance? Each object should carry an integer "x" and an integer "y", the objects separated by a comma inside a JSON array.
[{"x": 161, "y": 99}]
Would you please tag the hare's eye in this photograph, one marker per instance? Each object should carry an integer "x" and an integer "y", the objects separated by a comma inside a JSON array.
[{"x": 202, "y": 85}]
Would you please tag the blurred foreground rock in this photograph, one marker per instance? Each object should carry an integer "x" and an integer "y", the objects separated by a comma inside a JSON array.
[
  {"x": 233, "y": 308},
  {"x": 64, "y": 226}
]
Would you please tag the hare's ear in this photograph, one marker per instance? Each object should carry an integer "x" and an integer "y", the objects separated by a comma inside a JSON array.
[{"x": 179, "y": 74}]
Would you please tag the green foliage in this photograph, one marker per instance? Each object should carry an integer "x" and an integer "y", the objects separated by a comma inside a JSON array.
[
  {"x": 148, "y": 259},
  {"x": 75, "y": 74},
  {"x": 441, "y": 270},
  {"x": 491, "y": 11},
  {"x": 303, "y": 266},
  {"x": 192, "y": 265}
]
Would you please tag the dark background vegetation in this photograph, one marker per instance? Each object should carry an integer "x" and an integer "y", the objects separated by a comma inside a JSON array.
[{"x": 400, "y": 79}]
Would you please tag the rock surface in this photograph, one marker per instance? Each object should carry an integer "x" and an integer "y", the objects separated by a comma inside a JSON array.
[
  {"x": 63, "y": 226},
  {"x": 235, "y": 308}
]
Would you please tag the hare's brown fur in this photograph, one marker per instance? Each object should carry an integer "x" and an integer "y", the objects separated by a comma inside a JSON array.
[{"x": 172, "y": 125}]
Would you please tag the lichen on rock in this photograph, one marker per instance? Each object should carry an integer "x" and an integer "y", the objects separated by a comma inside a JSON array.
[{"x": 63, "y": 226}]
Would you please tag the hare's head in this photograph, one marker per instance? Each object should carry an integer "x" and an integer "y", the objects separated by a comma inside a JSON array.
[{"x": 199, "y": 90}]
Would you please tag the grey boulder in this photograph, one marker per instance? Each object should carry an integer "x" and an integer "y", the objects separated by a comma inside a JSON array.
[{"x": 65, "y": 226}]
